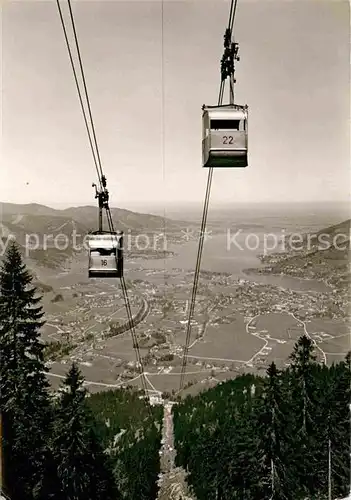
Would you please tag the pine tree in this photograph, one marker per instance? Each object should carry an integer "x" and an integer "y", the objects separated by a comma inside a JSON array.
[
  {"x": 339, "y": 427},
  {"x": 84, "y": 471},
  {"x": 303, "y": 405},
  {"x": 273, "y": 428},
  {"x": 332, "y": 451},
  {"x": 24, "y": 399},
  {"x": 20, "y": 321}
]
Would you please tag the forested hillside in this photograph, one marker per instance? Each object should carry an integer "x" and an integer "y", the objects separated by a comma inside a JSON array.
[
  {"x": 65, "y": 445},
  {"x": 132, "y": 438},
  {"x": 270, "y": 438}
]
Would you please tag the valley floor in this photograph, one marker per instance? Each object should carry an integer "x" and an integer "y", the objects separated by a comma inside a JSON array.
[{"x": 239, "y": 325}]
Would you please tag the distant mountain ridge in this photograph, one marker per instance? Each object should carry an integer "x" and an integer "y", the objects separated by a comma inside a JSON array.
[
  {"x": 46, "y": 231},
  {"x": 87, "y": 216}
]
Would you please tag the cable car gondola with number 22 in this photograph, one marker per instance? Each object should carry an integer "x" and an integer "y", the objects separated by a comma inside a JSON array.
[{"x": 225, "y": 136}]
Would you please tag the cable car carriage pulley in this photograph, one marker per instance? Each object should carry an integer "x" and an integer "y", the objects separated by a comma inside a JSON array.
[{"x": 105, "y": 247}]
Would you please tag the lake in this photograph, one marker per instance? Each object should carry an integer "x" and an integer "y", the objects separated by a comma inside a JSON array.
[{"x": 220, "y": 254}]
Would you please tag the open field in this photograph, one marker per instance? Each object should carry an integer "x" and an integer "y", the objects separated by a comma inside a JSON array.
[
  {"x": 170, "y": 382},
  {"x": 228, "y": 341},
  {"x": 333, "y": 328},
  {"x": 337, "y": 346},
  {"x": 277, "y": 325},
  {"x": 121, "y": 348}
]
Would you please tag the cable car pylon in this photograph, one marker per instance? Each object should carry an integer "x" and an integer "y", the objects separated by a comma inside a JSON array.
[{"x": 224, "y": 145}]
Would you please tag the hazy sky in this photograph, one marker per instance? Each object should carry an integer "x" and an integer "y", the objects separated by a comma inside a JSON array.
[{"x": 293, "y": 74}]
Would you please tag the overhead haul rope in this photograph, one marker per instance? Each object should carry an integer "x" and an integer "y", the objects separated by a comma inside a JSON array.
[
  {"x": 227, "y": 69},
  {"x": 85, "y": 86},
  {"x": 101, "y": 178},
  {"x": 78, "y": 89}
]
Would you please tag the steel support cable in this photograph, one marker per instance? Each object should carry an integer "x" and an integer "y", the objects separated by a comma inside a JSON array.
[
  {"x": 134, "y": 336},
  {"x": 233, "y": 12},
  {"x": 132, "y": 328},
  {"x": 231, "y": 91},
  {"x": 196, "y": 274},
  {"x": 112, "y": 231},
  {"x": 130, "y": 317},
  {"x": 198, "y": 260},
  {"x": 109, "y": 219},
  {"x": 85, "y": 86},
  {"x": 230, "y": 15},
  {"x": 129, "y": 313},
  {"x": 78, "y": 89},
  {"x": 135, "y": 342},
  {"x": 221, "y": 92},
  {"x": 203, "y": 226}
]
